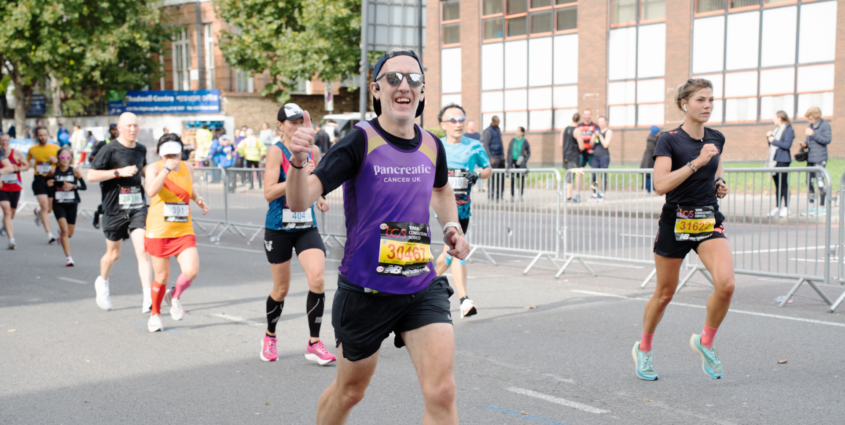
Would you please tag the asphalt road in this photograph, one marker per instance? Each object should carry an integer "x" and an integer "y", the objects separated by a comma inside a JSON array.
[{"x": 567, "y": 361}]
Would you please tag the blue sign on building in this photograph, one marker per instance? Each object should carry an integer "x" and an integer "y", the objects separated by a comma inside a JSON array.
[
  {"x": 167, "y": 102},
  {"x": 38, "y": 106}
]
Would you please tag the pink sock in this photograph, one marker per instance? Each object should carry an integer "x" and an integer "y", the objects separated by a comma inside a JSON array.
[
  {"x": 707, "y": 336},
  {"x": 182, "y": 283},
  {"x": 645, "y": 344}
]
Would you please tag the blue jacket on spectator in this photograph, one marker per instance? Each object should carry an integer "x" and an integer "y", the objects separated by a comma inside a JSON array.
[
  {"x": 784, "y": 144},
  {"x": 223, "y": 156},
  {"x": 492, "y": 141},
  {"x": 817, "y": 143}
]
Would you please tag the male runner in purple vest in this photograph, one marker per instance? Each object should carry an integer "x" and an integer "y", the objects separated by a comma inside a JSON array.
[{"x": 391, "y": 171}]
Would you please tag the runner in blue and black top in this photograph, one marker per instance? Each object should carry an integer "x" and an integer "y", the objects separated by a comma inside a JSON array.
[
  {"x": 464, "y": 157},
  {"x": 286, "y": 230},
  {"x": 688, "y": 170}
]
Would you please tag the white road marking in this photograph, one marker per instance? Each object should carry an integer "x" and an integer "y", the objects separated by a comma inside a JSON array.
[
  {"x": 67, "y": 279},
  {"x": 750, "y": 313},
  {"x": 557, "y": 400},
  {"x": 237, "y": 319}
]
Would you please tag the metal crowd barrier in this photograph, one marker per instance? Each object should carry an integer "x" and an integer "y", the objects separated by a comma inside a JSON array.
[
  {"x": 619, "y": 221},
  {"x": 518, "y": 213},
  {"x": 841, "y": 246}
]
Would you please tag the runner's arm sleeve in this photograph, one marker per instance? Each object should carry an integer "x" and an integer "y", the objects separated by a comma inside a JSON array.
[
  {"x": 441, "y": 170},
  {"x": 81, "y": 183},
  {"x": 343, "y": 161}
]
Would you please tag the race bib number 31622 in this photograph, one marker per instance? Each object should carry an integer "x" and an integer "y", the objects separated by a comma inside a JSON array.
[
  {"x": 694, "y": 223},
  {"x": 404, "y": 249}
]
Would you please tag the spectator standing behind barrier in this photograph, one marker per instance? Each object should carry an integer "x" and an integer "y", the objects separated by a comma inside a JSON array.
[
  {"x": 601, "y": 156},
  {"x": 818, "y": 137},
  {"x": 203, "y": 144},
  {"x": 648, "y": 155},
  {"x": 780, "y": 141},
  {"x": 77, "y": 142},
  {"x": 572, "y": 143},
  {"x": 224, "y": 156},
  {"x": 253, "y": 151},
  {"x": 471, "y": 133},
  {"x": 519, "y": 150},
  {"x": 321, "y": 139},
  {"x": 588, "y": 128},
  {"x": 492, "y": 141},
  {"x": 266, "y": 134}
]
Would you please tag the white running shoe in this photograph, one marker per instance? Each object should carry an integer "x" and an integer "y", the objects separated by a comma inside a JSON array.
[
  {"x": 154, "y": 325},
  {"x": 468, "y": 308},
  {"x": 774, "y": 212},
  {"x": 784, "y": 212},
  {"x": 147, "y": 305},
  {"x": 103, "y": 299},
  {"x": 168, "y": 297},
  {"x": 176, "y": 310}
]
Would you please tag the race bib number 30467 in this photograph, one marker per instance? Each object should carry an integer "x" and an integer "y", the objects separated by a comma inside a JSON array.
[{"x": 404, "y": 249}]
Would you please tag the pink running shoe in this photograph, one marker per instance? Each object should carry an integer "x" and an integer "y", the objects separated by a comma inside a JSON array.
[
  {"x": 268, "y": 349},
  {"x": 318, "y": 353}
]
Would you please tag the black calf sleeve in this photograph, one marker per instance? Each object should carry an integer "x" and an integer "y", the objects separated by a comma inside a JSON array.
[
  {"x": 274, "y": 311},
  {"x": 315, "y": 304}
]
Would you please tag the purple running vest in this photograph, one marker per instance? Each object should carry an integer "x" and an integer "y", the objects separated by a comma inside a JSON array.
[{"x": 387, "y": 211}]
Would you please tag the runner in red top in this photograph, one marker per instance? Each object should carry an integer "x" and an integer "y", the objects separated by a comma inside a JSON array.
[
  {"x": 588, "y": 128},
  {"x": 10, "y": 190}
]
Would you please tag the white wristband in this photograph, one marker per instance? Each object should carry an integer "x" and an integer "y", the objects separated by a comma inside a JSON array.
[{"x": 455, "y": 225}]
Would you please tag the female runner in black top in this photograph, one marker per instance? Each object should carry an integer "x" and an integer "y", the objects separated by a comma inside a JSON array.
[
  {"x": 688, "y": 170},
  {"x": 67, "y": 182}
]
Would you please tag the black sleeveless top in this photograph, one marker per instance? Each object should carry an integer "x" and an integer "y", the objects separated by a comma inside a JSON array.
[
  {"x": 65, "y": 176},
  {"x": 599, "y": 149},
  {"x": 570, "y": 145}
]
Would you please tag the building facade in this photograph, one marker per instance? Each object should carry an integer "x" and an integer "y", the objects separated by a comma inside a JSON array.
[{"x": 534, "y": 63}]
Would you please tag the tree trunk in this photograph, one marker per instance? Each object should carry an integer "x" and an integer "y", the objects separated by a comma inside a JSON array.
[
  {"x": 23, "y": 98},
  {"x": 56, "y": 86}
]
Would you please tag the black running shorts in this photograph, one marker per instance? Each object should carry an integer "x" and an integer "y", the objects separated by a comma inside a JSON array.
[
  {"x": 11, "y": 197},
  {"x": 117, "y": 227},
  {"x": 665, "y": 244},
  {"x": 66, "y": 211},
  {"x": 279, "y": 244},
  {"x": 464, "y": 224},
  {"x": 39, "y": 187},
  {"x": 361, "y": 320}
]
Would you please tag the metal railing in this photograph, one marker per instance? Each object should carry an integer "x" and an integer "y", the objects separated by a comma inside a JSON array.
[
  {"x": 841, "y": 246},
  {"x": 618, "y": 223}
]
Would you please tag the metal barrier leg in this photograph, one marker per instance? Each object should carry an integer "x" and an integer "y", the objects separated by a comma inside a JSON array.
[
  {"x": 563, "y": 268},
  {"x": 798, "y": 285},
  {"x": 533, "y": 262},
  {"x": 254, "y": 235},
  {"x": 550, "y": 258},
  {"x": 327, "y": 241},
  {"x": 648, "y": 279},
  {"x": 685, "y": 280},
  {"x": 489, "y": 258},
  {"x": 589, "y": 269},
  {"x": 198, "y": 224},
  {"x": 820, "y": 292},
  {"x": 835, "y": 305},
  {"x": 791, "y": 292}
]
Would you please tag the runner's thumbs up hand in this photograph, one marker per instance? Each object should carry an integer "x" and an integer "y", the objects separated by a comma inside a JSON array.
[{"x": 303, "y": 139}]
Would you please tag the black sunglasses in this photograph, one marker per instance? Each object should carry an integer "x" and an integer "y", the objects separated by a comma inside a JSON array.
[{"x": 395, "y": 78}]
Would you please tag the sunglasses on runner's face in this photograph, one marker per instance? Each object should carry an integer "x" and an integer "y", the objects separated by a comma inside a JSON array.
[
  {"x": 395, "y": 78},
  {"x": 455, "y": 120},
  {"x": 64, "y": 157}
]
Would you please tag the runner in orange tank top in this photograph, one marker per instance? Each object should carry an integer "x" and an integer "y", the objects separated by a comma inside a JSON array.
[{"x": 170, "y": 232}]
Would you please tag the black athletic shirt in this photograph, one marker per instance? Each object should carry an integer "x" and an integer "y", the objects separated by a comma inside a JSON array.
[
  {"x": 343, "y": 161},
  {"x": 570, "y": 145},
  {"x": 599, "y": 149},
  {"x": 114, "y": 155},
  {"x": 60, "y": 177},
  {"x": 699, "y": 189}
]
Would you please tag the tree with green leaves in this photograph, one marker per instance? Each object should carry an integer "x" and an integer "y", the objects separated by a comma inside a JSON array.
[
  {"x": 87, "y": 46},
  {"x": 293, "y": 40}
]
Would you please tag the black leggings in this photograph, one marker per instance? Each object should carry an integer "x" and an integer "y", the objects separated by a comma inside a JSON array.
[
  {"x": 782, "y": 185},
  {"x": 515, "y": 177},
  {"x": 254, "y": 164},
  {"x": 812, "y": 179}
]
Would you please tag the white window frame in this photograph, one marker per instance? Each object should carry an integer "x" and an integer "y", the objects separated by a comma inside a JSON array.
[
  {"x": 181, "y": 56},
  {"x": 208, "y": 40}
]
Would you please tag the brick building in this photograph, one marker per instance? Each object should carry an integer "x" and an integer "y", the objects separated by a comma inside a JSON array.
[
  {"x": 536, "y": 62},
  {"x": 240, "y": 96}
]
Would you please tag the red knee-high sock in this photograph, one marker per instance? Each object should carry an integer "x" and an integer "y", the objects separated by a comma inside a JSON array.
[
  {"x": 645, "y": 343},
  {"x": 182, "y": 283},
  {"x": 157, "y": 292},
  {"x": 707, "y": 336}
]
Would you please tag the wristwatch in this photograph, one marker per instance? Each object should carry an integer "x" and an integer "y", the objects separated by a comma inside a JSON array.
[
  {"x": 455, "y": 225},
  {"x": 116, "y": 173},
  {"x": 307, "y": 160}
]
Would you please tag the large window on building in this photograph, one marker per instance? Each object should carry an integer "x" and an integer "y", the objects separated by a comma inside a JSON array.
[
  {"x": 181, "y": 59},
  {"x": 765, "y": 56},
  {"x": 636, "y": 89},
  {"x": 450, "y": 18},
  {"x": 529, "y": 63},
  {"x": 208, "y": 40}
]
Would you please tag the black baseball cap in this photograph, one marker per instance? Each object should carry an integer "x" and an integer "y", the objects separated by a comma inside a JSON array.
[
  {"x": 290, "y": 112},
  {"x": 111, "y": 126}
]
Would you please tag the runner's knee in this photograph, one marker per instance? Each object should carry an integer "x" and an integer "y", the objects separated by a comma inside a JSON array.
[
  {"x": 440, "y": 394},
  {"x": 725, "y": 287},
  {"x": 317, "y": 285},
  {"x": 351, "y": 394},
  {"x": 664, "y": 297}
]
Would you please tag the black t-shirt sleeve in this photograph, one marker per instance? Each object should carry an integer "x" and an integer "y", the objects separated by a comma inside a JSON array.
[
  {"x": 102, "y": 158},
  {"x": 664, "y": 146},
  {"x": 441, "y": 169},
  {"x": 342, "y": 161},
  {"x": 97, "y": 148}
]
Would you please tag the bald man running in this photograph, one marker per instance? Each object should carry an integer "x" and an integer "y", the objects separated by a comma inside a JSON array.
[{"x": 119, "y": 167}]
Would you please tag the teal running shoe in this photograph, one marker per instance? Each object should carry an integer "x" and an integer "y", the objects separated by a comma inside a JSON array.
[
  {"x": 710, "y": 363},
  {"x": 645, "y": 370}
]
